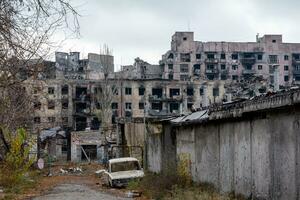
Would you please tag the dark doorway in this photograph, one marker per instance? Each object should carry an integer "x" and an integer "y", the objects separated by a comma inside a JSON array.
[{"x": 90, "y": 150}]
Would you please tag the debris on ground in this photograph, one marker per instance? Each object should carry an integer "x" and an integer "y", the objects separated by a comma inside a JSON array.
[{"x": 133, "y": 194}]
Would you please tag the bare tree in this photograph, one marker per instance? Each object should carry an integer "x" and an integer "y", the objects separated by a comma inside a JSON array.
[
  {"x": 106, "y": 91},
  {"x": 26, "y": 30}
]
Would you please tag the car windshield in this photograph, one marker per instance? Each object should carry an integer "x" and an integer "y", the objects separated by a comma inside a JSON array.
[{"x": 125, "y": 166}]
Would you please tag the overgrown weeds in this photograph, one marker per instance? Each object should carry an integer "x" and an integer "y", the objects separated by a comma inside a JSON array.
[{"x": 176, "y": 184}]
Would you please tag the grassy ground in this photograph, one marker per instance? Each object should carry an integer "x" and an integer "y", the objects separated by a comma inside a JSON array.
[{"x": 172, "y": 187}]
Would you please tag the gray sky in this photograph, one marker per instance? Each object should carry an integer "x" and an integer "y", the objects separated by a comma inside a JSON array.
[{"x": 143, "y": 28}]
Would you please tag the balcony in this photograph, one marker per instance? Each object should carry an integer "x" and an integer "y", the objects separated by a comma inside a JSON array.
[
  {"x": 296, "y": 61},
  {"x": 273, "y": 61},
  {"x": 156, "y": 97},
  {"x": 162, "y": 113},
  {"x": 296, "y": 71},
  {"x": 248, "y": 60},
  {"x": 211, "y": 71},
  {"x": 211, "y": 60},
  {"x": 248, "y": 71}
]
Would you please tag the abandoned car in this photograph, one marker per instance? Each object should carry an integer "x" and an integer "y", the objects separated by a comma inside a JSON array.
[{"x": 123, "y": 170}]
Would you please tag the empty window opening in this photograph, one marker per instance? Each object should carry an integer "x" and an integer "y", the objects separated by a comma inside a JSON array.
[
  {"x": 286, "y": 68},
  {"x": 286, "y": 78},
  {"x": 190, "y": 91},
  {"x": 273, "y": 41},
  {"x": 210, "y": 55},
  {"x": 223, "y": 56},
  {"x": 259, "y": 57},
  {"x": 64, "y": 103},
  {"x": 114, "y": 105},
  {"x": 128, "y": 91},
  {"x": 51, "y": 105},
  {"x": 170, "y": 76},
  {"x": 128, "y": 106},
  {"x": 184, "y": 68},
  {"x": 81, "y": 93},
  {"x": 286, "y": 57},
  {"x": 156, "y": 106},
  {"x": 141, "y": 105},
  {"x": 174, "y": 107},
  {"x": 210, "y": 76},
  {"x": 157, "y": 92},
  {"x": 184, "y": 38},
  {"x": 174, "y": 92},
  {"x": 65, "y": 90},
  {"x": 81, "y": 107},
  {"x": 37, "y": 105},
  {"x": 234, "y": 67},
  {"x": 185, "y": 57},
  {"x": 80, "y": 123},
  {"x": 170, "y": 66},
  {"x": 234, "y": 56},
  {"x": 235, "y": 77},
  {"x": 198, "y": 56},
  {"x": 259, "y": 67},
  {"x": 201, "y": 91},
  {"x": 215, "y": 92},
  {"x": 141, "y": 91},
  {"x": 223, "y": 77},
  {"x": 50, "y": 90},
  {"x": 90, "y": 151},
  {"x": 95, "y": 124}
]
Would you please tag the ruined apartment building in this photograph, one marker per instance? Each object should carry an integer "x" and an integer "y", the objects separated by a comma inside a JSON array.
[{"x": 268, "y": 57}]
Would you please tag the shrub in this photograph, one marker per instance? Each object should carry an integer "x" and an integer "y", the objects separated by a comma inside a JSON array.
[{"x": 16, "y": 164}]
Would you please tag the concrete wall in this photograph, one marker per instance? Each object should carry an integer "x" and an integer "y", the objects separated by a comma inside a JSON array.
[{"x": 256, "y": 155}]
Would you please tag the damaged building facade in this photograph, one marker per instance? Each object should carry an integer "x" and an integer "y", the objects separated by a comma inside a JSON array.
[{"x": 191, "y": 75}]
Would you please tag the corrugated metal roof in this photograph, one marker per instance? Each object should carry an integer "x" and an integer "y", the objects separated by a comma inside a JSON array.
[{"x": 202, "y": 114}]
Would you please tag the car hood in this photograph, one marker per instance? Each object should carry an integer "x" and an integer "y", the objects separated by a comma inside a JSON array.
[{"x": 127, "y": 174}]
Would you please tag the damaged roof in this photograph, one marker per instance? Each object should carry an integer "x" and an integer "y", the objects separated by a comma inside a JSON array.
[{"x": 195, "y": 116}]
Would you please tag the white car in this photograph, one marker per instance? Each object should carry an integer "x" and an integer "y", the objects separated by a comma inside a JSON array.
[{"x": 122, "y": 170}]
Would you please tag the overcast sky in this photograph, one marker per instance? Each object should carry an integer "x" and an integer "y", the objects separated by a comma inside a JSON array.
[{"x": 143, "y": 28}]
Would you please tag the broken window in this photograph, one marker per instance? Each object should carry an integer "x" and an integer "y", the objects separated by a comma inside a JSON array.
[
  {"x": 190, "y": 91},
  {"x": 185, "y": 57},
  {"x": 170, "y": 76},
  {"x": 223, "y": 77},
  {"x": 286, "y": 78},
  {"x": 128, "y": 106},
  {"x": 65, "y": 103},
  {"x": 174, "y": 107},
  {"x": 184, "y": 38},
  {"x": 51, "y": 119},
  {"x": 95, "y": 124},
  {"x": 223, "y": 56},
  {"x": 210, "y": 56},
  {"x": 259, "y": 67},
  {"x": 114, "y": 90},
  {"x": 141, "y": 91},
  {"x": 37, "y": 120},
  {"x": 198, "y": 56},
  {"x": 156, "y": 106},
  {"x": 157, "y": 92},
  {"x": 286, "y": 68},
  {"x": 215, "y": 92},
  {"x": 235, "y": 77},
  {"x": 81, "y": 92},
  {"x": 170, "y": 66},
  {"x": 114, "y": 105},
  {"x": 273, "y": 41},
  {"x": 37, "y": 105},
  {"x": 234, "y": 56},
  {"x": 128, "y": 91},
  {"x": 184, "y": 77},
  {"x": 223, "y": 67},
  {"x": 80, "y": 123},
  {"x": 51, "y": 105},
  {"x": 81, "y": 107},
  {"x": 297, "y": 78},
  {"x": 296, "y": 56},
  {"x": 210, "y": 76},
  {"x": 273, "y": 59},
  {"x": 190, "y": 106},
  {"x": 259, "y": 57},
  {"x": 141, "y": 105},
  {"x": 234, "y": 67},
  {"x": 65, "y": 90},
  {"x": 210, "y": 67},
  {"x": 248, "y": 67},
  {"x": 174, "y": 92},
  {"x": 286, "y": 57},
  {"x": 50, "y": 90},
  {"x": 184, "y": 68},
  {"x": 201, "y": 91},
  {"x": 272, "y": 79},
  {"x": 197, "y": 68}
]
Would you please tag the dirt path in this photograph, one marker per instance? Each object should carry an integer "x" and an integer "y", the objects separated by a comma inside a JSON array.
[{"x": 76, "y": 192}]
